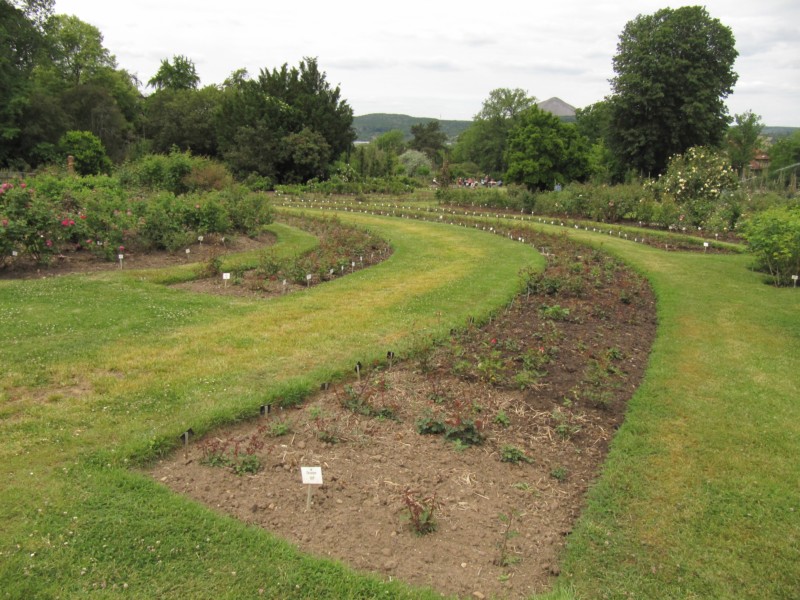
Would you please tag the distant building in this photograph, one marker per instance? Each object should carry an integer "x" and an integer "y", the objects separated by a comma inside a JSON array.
[{"x": 760, "y": 163}]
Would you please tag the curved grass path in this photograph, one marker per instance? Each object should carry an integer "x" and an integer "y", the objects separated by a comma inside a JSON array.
[
  {"x": 700, "y": 494},
  {"x": 104, "y": 371}
]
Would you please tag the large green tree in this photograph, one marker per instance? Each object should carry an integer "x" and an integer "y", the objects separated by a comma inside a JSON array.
[
  {"x": 544, "y": 151},
  {"x": 484, "y": 141},
  {"x": 185, "y": 119},
  {"x": 282, "y": 123},
  {"x": 178, "y": 74},
  {"x": 21, "y": 42},
  {"x": 785, "y": 153},
  {"x": 76, "y": 49},
  {"x": 743, "y": 140},
  {"x": 428, "y": 138},
  {"x": 674, "y": 69}
]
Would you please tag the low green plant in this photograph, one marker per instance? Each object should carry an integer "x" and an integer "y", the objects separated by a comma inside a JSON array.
[
  {"x": 554, "y": 312},
  {"x": 428, "y": 424},
  {"x": 506, "y": 558},
  {"x": 420, "y": 511},
  {"x": 564, "y": 423},
  {"x": 512, "y": 454},
  {"x": 559, "y": 473},
  {"x": 279, "y": 428},
  {"x": 501, "y": 418},
  {"x": 239, "y": 455},
  {"x": 465, "y": 430}
]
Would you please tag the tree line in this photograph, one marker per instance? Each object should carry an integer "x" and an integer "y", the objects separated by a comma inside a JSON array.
[{"x": 62, "y": 92}]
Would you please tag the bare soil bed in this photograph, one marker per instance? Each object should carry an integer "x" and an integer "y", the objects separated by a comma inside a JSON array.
[
  {"x": 81, "y": 261},
  {"x": 489, "y": 438}
]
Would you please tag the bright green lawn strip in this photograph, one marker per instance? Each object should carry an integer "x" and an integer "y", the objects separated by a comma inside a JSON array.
[
  {"x": 216, "y": 361},
  {"x": 291, "y": 242},
  {"x": 45, "y": 322},
  {"x": 698, "y": 498}
]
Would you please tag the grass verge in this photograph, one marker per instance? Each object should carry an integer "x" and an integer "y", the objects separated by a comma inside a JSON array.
[{"x": 105, "y": 371}]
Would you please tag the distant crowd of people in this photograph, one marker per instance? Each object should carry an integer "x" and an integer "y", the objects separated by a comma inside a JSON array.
[{"x": 482, "y": 182}]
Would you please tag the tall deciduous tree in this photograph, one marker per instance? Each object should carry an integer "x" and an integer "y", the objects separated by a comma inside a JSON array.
[
  {"x": 744, "y": 139},
  {"x": 428, "y": 138},
  {"x": 544, "y": 151},
  {"x": 21, "y": 40},
  {"x": 674, "y": 69},
  {"x": 180, "y": 74},
  {"x": 76, "y": 49},
  {"x": 484, "y": 141}
]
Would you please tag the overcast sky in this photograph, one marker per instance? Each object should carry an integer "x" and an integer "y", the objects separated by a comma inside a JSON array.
[{"x": 440, "y": 59}]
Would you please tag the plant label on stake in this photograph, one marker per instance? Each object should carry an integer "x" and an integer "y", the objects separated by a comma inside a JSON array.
[
  {"x": 225, "y": 277},
  {"x": 358, "y": 370},
  {"x": 794, "y": 280},
  {"x": 705, "y": 246},
  {"x": 311, "y": 476},
  {"x": 200, "y": 239},
  {"x": 266, "y": 409},
  {"x": 120, "y": 256},
  {"x": 390, "y": 358},
  {"x": 308, "y": 280},
  {"x": 185, "y": 439}
]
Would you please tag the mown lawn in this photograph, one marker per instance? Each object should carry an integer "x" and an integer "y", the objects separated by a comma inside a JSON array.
[
  {"x": 700, "y": 495},
  {"x": 104, "y": 372}
]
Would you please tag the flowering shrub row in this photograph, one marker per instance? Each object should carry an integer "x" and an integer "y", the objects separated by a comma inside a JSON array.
[
  {"x": 698, "y": 190},
  {"x": 49, "y": 215}
]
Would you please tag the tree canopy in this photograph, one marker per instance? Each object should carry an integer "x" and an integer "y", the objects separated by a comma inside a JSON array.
[
  {"x": 674, "y": 69},
  {"x": 543, "y": 151},
  {"x": 179, "y": 74},
  {"x": 484, "y": 142}
]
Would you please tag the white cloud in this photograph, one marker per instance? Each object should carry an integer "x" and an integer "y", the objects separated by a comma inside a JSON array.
[{"x": 441, "y": 59}]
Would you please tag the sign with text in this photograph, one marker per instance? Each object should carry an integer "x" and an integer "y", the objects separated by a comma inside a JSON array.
[{"x": 311, "y": 475}]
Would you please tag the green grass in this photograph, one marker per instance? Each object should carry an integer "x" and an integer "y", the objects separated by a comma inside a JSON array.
[
  {"x": 698, "y": 498},
  {"x": 699, "y": 495},
  {"x": 103, "y": 372}
]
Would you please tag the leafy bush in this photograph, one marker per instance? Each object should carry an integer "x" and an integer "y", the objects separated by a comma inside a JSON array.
[
  {"x": 773, "y": 236},
  {"x": 87, "y": 150},
  {"x": 697, "y": 181},
  {"x": 177, "y": 172}
]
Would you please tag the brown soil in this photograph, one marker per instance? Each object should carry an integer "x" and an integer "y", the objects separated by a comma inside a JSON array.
[
  {"x": 81, "y": 261},
  {"x": 545, "y": 382}
]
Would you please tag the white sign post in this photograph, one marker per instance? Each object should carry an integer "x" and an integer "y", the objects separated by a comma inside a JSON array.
[
  {"x": 794, "y": 280},
  {"x": 225, "y": 278},
  {"x": 120, "y": 256},
  {"x": 311, "y": 476}
]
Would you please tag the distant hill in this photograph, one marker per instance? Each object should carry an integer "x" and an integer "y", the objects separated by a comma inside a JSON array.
[
  {"x": 371, "y": 126},
  {"x": 368, "y": 127},
  {"x": 559, "y": 108},
  {"x": 778, "y": 132}
]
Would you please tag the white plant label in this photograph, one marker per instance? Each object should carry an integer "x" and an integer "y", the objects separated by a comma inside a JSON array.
[
  {"x": 121, "y": 256},
  {"x": 226, "y": 276},
  {"x": 705, "y": 244},
  {"x": 187, "y": 251},
  {"x": 311, "y": 475}
]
